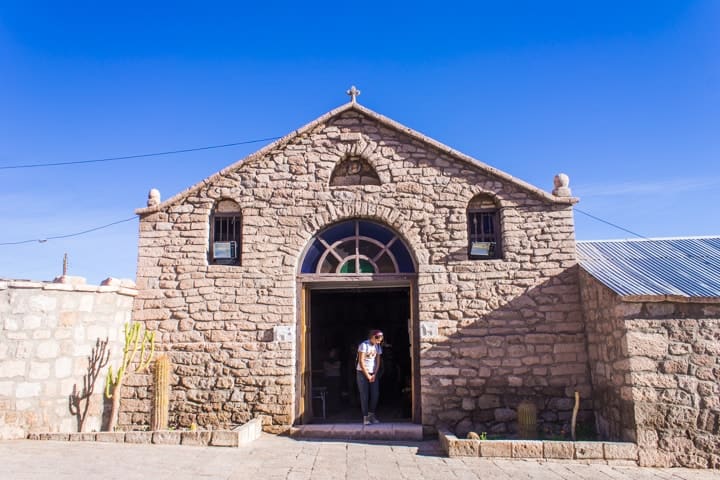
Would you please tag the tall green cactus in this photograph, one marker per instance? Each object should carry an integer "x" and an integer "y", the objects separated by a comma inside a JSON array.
[
  {"x": 134, "y": 344},
  {"x": 161, "y": 401}
]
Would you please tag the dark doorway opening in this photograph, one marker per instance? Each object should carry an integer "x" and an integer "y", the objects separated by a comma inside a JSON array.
[{"x": 339, "y": 321}]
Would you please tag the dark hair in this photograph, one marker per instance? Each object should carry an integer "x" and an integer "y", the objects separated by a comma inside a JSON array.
[{"x": 375, "y": 332}]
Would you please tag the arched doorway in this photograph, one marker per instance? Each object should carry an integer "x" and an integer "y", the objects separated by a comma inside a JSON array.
[{"x": 354, "y": 276}]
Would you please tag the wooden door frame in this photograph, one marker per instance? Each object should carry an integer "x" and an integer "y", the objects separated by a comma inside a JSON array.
[{"x": 306, "y": 283}]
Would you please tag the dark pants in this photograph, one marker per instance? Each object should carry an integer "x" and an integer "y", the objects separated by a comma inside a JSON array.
[{"x": 367, "y": 389}]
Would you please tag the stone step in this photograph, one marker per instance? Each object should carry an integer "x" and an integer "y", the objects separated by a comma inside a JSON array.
[{"x": 356, "y": 431}]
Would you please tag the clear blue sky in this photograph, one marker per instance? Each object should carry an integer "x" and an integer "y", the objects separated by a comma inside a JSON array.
[{"x": 622, "y": 96}]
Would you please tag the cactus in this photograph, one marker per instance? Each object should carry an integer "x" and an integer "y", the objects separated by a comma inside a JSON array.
[
  {"x": 161, "y": 403},
  {"x": 133, "y": 342},
  {"x": 527, "y": 419}
]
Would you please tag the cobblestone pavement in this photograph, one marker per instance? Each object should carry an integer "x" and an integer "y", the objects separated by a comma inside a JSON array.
[{"x": 273, "y": 457}]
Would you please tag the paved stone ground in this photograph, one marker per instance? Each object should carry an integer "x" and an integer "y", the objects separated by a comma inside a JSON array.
[{"x": 273, "y": 457}]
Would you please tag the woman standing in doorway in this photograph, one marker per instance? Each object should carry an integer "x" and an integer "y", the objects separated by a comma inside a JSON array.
[{"x": 368, "y": 366}]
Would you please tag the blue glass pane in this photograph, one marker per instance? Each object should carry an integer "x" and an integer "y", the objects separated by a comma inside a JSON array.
[
  {"x": 404, "y": 260},
  {"x": 336, "y": 232},
  {"x": 312, "y": 256},
  {"x": 376, "y": 231}
]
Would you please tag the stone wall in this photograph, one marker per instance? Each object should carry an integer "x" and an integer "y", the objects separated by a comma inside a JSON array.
[
  {"x": 47, "y": 331},
  {"x": 610, "y": 365},
  {"x": 494, "y": 331},
  {"x": 664, "y": 363}
]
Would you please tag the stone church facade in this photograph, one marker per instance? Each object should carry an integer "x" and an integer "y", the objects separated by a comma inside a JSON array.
[{"x": 355, "y": 222}]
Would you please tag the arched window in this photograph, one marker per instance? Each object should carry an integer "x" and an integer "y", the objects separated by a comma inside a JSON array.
[
  {"x": 225, "y": 234},
  {"x": 484, "y": 235},
  {"x": 354, "y": 170},
  {"x": 357, "y": 247}
]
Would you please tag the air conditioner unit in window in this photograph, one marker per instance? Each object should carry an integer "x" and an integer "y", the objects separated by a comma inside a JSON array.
[
  {"x": 224, "y": 250},
  {"x": 482, "y": 249}
]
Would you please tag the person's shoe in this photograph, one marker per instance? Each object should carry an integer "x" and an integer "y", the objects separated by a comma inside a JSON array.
[
  {"x": 373, "y": 418},
  {"x": 366, "y": 420}
]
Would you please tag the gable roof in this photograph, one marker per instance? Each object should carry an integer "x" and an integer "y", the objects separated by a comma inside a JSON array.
[
  {"x": 677, "y": 267},
  {"x": 385, "y": 121}
]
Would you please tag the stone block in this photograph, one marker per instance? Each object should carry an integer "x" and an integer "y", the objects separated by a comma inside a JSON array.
[
  {"x": 457, "y": 447},
  {"x": 27, "y": 390},
  {"x": 558, "y": 450},
  {"x": 252, "y": 430},
  {"x": 48, "y": 349},
  {"x": 589, "y": 450},
  {"x": 224, "y": 438},
  {"x": 495, "y": 448},
  {"x": 56, "y": 437},
  {"x": 138, "y": 437},
  {"x": 12, "y": 368},
  {"x": 198, "y": 439},
  {"x": 83, "y": 437},
  {"x": 166, "y": 437},
  {"x": 39, "y": 371},
  {"x": 110, "y": 437},
  {"x": 620, "y": 451},
  {"x": 527, "y": 449},
  {"x": 63, "y": 367},
  {"x": 652, "y": 345}
]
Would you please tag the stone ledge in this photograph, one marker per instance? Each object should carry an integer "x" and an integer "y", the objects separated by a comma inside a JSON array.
[
  {"x": 69, "y": 287},
  {"x": 615, "y": 453},
  {"x": 215, "y": 438}
]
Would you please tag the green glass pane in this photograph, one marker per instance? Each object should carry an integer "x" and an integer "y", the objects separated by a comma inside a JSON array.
[
  {"x": 348, "y": 267},
  {"x": 366, "y": 267}
]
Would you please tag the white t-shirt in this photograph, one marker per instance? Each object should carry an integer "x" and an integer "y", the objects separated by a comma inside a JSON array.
[{"x": 371, "y": 352}]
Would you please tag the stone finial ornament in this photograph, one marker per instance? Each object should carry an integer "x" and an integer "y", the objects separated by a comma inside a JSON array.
[
  {"x": 153, "y": 197},
  {"x": 353, "y": 93},
  {"x": 561, "y": 183}
]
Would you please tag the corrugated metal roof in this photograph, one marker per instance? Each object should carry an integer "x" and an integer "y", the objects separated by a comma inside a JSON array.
[{"x": 687, "y": 267}]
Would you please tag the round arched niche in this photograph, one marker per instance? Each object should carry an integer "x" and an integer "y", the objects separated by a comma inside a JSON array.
[
  {"x": 357, "y": 246},
  {"x": 353, "y": 170}
]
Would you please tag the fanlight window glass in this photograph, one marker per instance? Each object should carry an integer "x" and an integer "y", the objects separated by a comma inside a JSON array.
[{"x": 357, "y": 247}]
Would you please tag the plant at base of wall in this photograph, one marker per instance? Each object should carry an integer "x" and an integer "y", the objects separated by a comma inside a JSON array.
[
  {"x": 161, "y": 403},
  {"x": 134, "y": 343},
  {"x": 98, "y": 358}
]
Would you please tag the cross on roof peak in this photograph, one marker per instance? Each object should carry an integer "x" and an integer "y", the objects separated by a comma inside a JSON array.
[{"x": 353, "y": 93}]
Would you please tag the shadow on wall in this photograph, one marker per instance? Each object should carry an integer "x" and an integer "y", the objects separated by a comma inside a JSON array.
[{"x": 532, "y": 348}]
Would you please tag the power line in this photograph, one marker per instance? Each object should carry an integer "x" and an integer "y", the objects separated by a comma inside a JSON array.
[
  {"x": 611, "y": 224},
  {"x": 56, "y": 237},
  {"x": 143, "y": 155}
]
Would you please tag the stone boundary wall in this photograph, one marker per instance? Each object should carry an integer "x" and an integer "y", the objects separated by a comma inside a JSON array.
[
  {"x": 611, "y": 452},
  {"x": 239, "y": 436},
  {"x": 609, "y": 364},
  {"x": 667, "y": 372},
  {"x": 47, "y": 331}
]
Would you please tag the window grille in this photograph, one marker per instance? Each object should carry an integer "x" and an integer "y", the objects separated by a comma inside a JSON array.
[
  {"x": 225, "y": 236},
  {"x": 483, "y": 234}
]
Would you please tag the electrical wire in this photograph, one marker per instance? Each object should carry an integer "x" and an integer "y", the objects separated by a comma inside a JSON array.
[
  {"x": 611, "y": 224},
  {"x": 142, "y": 155},
  {"x": 69, "y": 235},
  {"x": 56, "y": 237}
]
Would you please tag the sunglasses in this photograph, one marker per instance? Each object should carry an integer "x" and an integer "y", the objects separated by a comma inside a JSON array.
[{"x": 378, "y": 337}]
